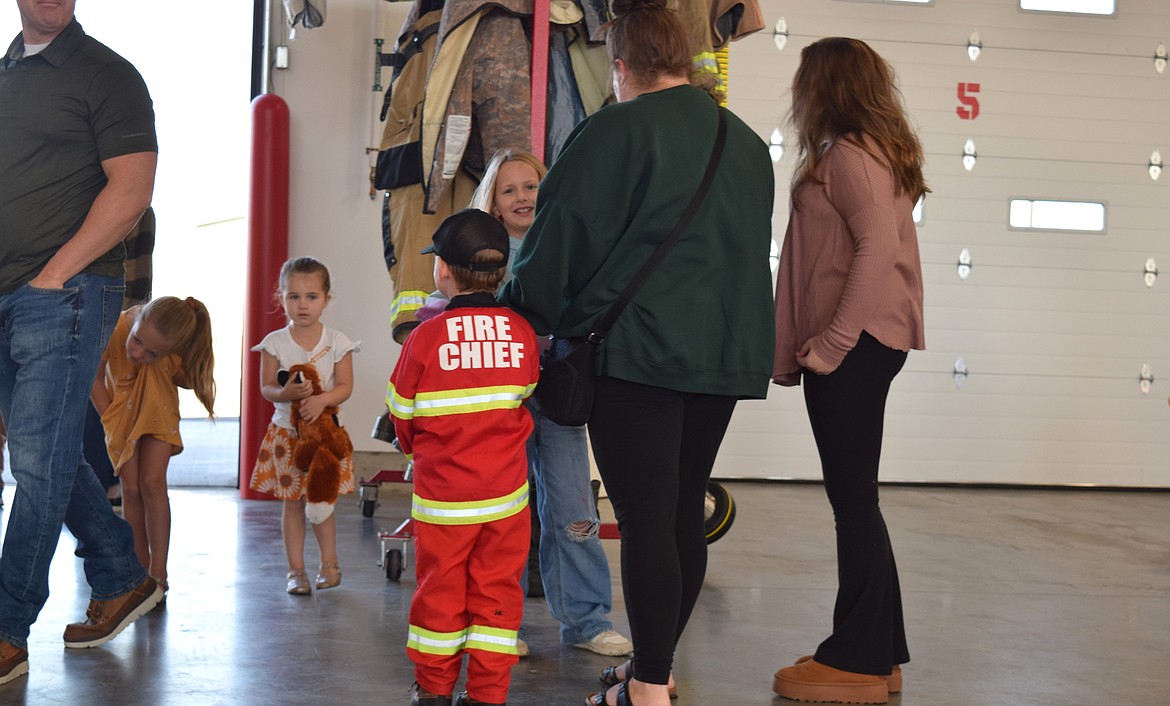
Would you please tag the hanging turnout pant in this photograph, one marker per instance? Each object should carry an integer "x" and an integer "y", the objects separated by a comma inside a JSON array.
[{"x": 409, "y": 231}]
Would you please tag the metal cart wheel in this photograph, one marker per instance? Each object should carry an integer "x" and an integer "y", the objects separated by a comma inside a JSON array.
[
  {"x": 720, "y": 512},
  {"x": 368, "y": 507},
  {"x": 393, "y": 564},
  {"x": 368, "y": 498}
]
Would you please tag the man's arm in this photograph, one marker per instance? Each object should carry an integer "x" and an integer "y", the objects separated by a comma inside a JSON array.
[{"x": 115, "y": 211}]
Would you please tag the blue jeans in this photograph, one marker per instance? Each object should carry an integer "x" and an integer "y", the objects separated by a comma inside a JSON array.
[
  {"x": 93, "y": 446},
  {"x": 573, "y": 566},
  {"x": 51, "y": 341}
]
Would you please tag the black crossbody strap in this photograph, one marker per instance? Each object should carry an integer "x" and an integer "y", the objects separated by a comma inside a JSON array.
[{"x": 602, "y": 327}]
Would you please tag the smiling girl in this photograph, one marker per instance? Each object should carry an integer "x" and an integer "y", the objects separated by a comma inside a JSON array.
[{"x": 508, "y": 192}]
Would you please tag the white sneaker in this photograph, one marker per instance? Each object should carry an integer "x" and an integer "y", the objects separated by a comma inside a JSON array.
[
  {"x": 610, "y": 643},
  {"x": 521, "y": 647}
]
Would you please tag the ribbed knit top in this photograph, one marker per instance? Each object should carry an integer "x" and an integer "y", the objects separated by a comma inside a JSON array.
[{"x": 849, "y": 264}]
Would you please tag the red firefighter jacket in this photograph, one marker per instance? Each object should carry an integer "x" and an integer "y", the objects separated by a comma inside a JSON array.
[{"x": 457, "y": 397}]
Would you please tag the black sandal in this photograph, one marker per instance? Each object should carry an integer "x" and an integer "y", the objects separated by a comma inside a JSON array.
[
  {"x": 609, "y": 677},
  {"x": 623, "y": 696}
]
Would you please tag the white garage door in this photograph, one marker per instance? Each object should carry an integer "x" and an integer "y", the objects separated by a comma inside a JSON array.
[{"x": 1056, "y": 328}]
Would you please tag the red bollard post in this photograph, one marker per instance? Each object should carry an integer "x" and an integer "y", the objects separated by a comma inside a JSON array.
[
  {"x": 267, "y": 250},
  {"x": 539, "y": 102}
]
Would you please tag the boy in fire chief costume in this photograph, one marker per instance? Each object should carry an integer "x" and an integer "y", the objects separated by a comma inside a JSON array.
[{"x": 456, "y": 396}]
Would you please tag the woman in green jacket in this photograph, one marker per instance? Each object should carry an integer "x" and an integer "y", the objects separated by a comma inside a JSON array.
[{"x": 694, "y": 340}]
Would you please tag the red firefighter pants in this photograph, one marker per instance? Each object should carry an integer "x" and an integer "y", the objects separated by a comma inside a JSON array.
[{"x": 468, "y": 601}]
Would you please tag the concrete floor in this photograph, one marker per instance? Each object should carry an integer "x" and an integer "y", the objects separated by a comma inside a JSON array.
[{"x": 1012, "y": 597}]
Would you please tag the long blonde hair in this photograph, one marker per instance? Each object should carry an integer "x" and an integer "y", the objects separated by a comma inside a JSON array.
[
  {"x": 186, "y": 325},
  {"x": 844, "y": 90},
  {"x": 484, "y": 197}
]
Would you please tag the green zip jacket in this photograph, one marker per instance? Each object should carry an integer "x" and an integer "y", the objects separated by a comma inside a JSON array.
[{"x": 704, "y": 320}]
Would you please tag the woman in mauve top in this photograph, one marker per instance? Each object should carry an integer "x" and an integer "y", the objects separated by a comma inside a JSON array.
[{"x": 848, "y": 308}]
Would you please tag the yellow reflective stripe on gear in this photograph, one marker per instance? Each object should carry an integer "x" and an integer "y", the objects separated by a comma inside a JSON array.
[
  {"x": 409, "y": 300},
  {"x": 472, "y": 512},
  {"x": 473, "y": 399},
  {"x": 436, "y": 643},
  {"x": 401, "y": 407},
  {"x": 481, "y": 637},
  {"x": 705, "y": 61}
]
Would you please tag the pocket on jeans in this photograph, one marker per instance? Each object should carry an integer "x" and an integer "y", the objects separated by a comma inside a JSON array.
[
  {"x": 113, "y": 296},
  {"x": 42, "y": 290}
]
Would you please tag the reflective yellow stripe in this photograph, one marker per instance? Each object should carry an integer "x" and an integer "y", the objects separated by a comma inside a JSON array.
[
  {"x": 436, "y": 643},
  {"x": 401, "y": 407},
  {"x": 478, "y": 637},
  {"x": 481, "y": 637},
  {"x": 472, "y": 512},
  {"x": 472, "y": 399},
  {"x": 705, "y": 61},
  {"x": 409, "y": 300}
]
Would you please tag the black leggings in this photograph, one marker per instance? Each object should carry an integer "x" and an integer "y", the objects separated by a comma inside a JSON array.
[
  {"x": 655, "y": 449},
  {"x": 846, "y": 409}
]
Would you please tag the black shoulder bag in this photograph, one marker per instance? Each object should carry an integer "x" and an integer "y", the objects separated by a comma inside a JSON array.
[{"x": 568, "y": 368}]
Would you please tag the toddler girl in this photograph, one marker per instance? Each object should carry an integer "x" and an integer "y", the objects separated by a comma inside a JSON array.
[
  {"x": 155, "y": 349},
  {"x": 304, "y": 294}
]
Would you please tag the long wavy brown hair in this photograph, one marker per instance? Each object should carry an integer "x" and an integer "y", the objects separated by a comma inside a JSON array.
[{"x": 844, "y": 90}]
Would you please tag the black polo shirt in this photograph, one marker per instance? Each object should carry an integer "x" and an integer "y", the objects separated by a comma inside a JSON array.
[{"x": 62, "y": 112}]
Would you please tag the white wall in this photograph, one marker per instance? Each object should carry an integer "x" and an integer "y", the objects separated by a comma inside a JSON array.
[{"x": 1054, "y": 327}]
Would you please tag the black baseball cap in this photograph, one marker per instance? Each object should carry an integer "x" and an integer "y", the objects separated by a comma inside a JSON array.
[{"x": 463, "y": 234}]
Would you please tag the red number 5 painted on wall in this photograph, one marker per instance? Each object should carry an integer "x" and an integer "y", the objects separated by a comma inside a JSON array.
[{"x": 969, "y": 110}]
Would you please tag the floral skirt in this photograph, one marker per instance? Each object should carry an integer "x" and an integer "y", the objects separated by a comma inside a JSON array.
[{"x": 275, "y": 474}]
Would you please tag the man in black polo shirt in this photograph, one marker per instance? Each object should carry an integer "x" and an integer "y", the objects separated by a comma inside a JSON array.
[{"x": 77, "y": 163}]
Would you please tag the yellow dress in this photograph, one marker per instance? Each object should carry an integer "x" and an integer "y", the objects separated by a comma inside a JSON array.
[{"x": 144, "y": 398}]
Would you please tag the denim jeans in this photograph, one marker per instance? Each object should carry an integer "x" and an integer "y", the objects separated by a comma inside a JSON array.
[
  {"x": 573, "y": 566},
  {"x": 51, "y": 341},
  {"x": 93, "y": 446}
]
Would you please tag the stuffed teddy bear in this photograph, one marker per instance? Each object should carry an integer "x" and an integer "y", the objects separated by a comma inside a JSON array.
[{"x": 320, "y": 448}]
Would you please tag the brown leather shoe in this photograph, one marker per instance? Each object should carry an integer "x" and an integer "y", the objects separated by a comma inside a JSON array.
[
  {"x": 13, "y": 661},
  {"x": 813, "y": 681},
  {"x": 893, "y": 679},
  {"x": 105, "y": 619}
]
